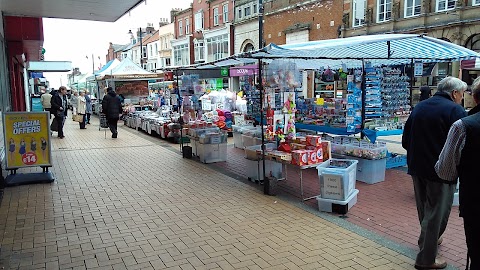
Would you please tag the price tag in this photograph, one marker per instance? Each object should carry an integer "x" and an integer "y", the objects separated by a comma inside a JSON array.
[
  {"x": 206, "y": 105},
  {"x": 29, "y": 158}
]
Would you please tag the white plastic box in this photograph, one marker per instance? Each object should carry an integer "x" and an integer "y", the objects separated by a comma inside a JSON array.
[
  {"x": 210, "y": 153},
  {"x": 251, "y": 151},
  {"x": 250, "y": 141},
  {"x": 255, "y": 169},
  {"x": 337, "y": 178},
  {"x": 370, "y": 171},
  {"x": 237, "y": 140},
  {"x": 337, "y": 206}
]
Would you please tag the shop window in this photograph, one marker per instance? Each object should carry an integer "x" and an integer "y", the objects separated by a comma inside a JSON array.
[
  {"x": 180, "y": 28},
  {"x": 444, "y": 5},
  {"x": 181, "y": 55},
  {"x": 199, "y": 21},
  {"x": 225, "y": 13},
  {"x": 358, "y": 12},
  {"x": 413, "y": 8},
  {"x": 384, "y": 10},
  {"x": 187, "y": 26},
  {"x": 216, "y": 18}
]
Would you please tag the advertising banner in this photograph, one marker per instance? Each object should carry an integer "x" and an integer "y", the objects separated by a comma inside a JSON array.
[{"x": 27, "y": 139}]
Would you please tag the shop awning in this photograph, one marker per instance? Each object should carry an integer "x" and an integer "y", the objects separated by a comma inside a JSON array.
[
  {"x": 472, "y": 64},
  {"x": 127, "y": 69},
  {"x": 400, "y": 47}
]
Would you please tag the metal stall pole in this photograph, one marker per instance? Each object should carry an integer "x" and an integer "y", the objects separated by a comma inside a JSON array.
[
  {"x": 364, "y": 96},
  {"x": 266, "y": 182},
  {"x": 412, "y": 81}
]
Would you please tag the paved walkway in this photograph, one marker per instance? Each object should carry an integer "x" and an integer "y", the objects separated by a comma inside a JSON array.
[{"x": 134, "y": 203}]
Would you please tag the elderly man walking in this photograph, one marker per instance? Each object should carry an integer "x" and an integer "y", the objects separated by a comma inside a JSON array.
[
  {"x": 459, "y": 159},
  {"x": 424, "y": 135}
]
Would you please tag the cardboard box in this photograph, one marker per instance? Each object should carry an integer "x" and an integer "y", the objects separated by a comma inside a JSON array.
[
  {"x": 318, "y": 152},
  {"x": 300, "y": 157},
  {"x": 297, "y": 146},
  {"x": 314, "y": 140}
]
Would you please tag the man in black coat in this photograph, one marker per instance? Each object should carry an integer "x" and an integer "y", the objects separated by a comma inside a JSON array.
[
  {"x": 458, "y": 159},
  {"x": 59, "y": 108},
  {"x": 424, "y": 135},
  {"x": 112, "y": 108},
  {"x": 476, "y": 97}
]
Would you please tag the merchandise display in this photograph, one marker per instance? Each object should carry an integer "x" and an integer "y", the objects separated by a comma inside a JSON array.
[{"x": 209, "y": 142}]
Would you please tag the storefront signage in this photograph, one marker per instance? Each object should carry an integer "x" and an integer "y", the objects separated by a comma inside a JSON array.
[
  {"x": 224, "y": 72},
  {"x": 27, "y": 139},
  {"x": 243, "y": 71}
]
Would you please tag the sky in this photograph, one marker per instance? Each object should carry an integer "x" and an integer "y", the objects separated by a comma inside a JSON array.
[{"x": 74, "y": 40}]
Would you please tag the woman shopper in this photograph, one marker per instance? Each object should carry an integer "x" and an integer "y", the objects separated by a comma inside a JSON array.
[
  {"x": 82, "y": 108},
  {"x": 74, "y": 102},
  {"x": 89, "y": 110}
]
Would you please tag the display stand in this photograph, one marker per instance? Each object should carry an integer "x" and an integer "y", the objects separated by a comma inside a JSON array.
[{"x": 15, "y": 179}]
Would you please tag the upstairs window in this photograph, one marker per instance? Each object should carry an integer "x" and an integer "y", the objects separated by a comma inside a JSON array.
[
  {"x": 199, "y": 21},
  {"x": 247, "y": 11},
  {"x": 413, "y": 8},
  {"x": 187, "y": 26},
  {"x": 358, "y": 12},
  {"x": 384, "y": 10},
  {"x": 225, "y": 13},
  {"x": 180, "y": 28},
  {"x": 216, "y": 18},
  {"x": 444, "y": 5},
  {"x": 239, "y": 14}
]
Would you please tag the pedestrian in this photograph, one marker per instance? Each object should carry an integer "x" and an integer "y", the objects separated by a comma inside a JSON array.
[
  {"x": 425, "y": 92},
  {"x": 59, "y": 109},
  {"x": 112, "y": 108},
  {"x": 476, "y": 98},
  {"x": 89, "y": 109},
  {"x": 458, "y": 160},
  {"x": 424, "y": 135},
  {"x": 45, "y": 99},
  {"x": 74, "y": 102},
  {"x": 82, "y": 108}
]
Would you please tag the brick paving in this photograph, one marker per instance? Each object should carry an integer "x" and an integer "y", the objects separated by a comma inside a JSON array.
[
  {"x": 386, "y": 208},
  {"x": 132, "y": 203}
]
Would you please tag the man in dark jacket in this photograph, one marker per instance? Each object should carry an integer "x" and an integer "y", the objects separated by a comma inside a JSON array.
[
  {"x": 476, "y": 97},
  {"x": 458, "y": 159},
  {"x": 424, "y": 135},
  {"x": 112, "y": 108},
  {"x": 59, "y": 108}
]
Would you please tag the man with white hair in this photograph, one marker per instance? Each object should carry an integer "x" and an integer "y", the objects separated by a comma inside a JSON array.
[
  {"x": 424, "y": 135},
  {"x": 458, "y": 159}
]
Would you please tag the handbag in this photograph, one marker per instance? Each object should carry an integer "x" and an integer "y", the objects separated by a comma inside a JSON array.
[
  {"x": 54, "y": 125},
  {"x": 78, "y": 118}
]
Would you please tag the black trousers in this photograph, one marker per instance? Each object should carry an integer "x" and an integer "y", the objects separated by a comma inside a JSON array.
[
  {"x": 60, "y": 121},
  {"x": 88, "y": 118},
  {"x": 472, "y": 235},
  {"x": 112, "y": 124}
]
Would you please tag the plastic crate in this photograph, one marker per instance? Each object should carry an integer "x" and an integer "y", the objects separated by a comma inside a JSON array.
[
  {"x": 396, "y": 161},
  {"x": 337, "y": 178},
  {"x": 251, "y": 152},
  {"x": 237, "y": 140},
  {"x": 367, "y": 150},
  {"x": 210, "y": 153},
  {"x": 337, "y": 206},
  {"x": 250, "y": 141},
  {"x": 255, "y": 169}
]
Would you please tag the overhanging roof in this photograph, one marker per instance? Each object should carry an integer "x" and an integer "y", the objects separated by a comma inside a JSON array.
[
  {"x": 92, "y": 10},
  {"x": 50, "y": 66}
]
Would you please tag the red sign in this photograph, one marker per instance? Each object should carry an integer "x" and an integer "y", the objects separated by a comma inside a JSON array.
[{"x": 29, "y": 158}]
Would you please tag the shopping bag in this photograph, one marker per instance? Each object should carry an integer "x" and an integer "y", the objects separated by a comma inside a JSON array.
[
  {"x": 54, "y": 125},
  {"x": 78, "y": 118}
]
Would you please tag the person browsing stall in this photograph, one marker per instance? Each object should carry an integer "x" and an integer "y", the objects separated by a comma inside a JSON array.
[{"x": 424, "y": 135}]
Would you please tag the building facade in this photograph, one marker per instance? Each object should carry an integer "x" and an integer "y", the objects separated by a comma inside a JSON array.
[
  {"x": 203, "y": 32},
  {"x": 165, "y": 37},
  {"x": 246, "y": 26},
  {"x": 294, "y": 21}
]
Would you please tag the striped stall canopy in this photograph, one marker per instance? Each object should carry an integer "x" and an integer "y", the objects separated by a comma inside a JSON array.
[{"x": 402, "y": 47}]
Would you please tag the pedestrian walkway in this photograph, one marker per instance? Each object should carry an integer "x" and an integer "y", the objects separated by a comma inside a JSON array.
[{"x": 135, "y": 203}]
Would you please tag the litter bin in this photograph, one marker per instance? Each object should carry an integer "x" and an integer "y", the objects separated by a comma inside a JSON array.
[{"x": 187, "y": 151}]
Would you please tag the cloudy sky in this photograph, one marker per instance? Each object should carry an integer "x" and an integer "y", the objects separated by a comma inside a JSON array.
[{"x": 73, "y": 40}]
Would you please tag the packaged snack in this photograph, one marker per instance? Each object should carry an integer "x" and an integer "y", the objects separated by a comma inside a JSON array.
[
  {"x": 297, "y": 146},
  {"x": 312, "y": 157},
  {"x": 326, "y": 150}
]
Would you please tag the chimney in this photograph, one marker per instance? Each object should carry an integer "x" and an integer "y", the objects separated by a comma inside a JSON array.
[
  {"x": 173, "y": 12},
  {"x": 150, "y": 29},
  {"x": 163, "y": 22}
]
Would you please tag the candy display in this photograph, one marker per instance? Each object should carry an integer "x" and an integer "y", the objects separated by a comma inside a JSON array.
[{"x": 367, "y": 150}]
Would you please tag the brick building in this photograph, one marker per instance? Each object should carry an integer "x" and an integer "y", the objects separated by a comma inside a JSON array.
[
  {"x": 203, "y": 32},
  {"x": 246, "y": 26},
  {"x": 294, "y": 21}
]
